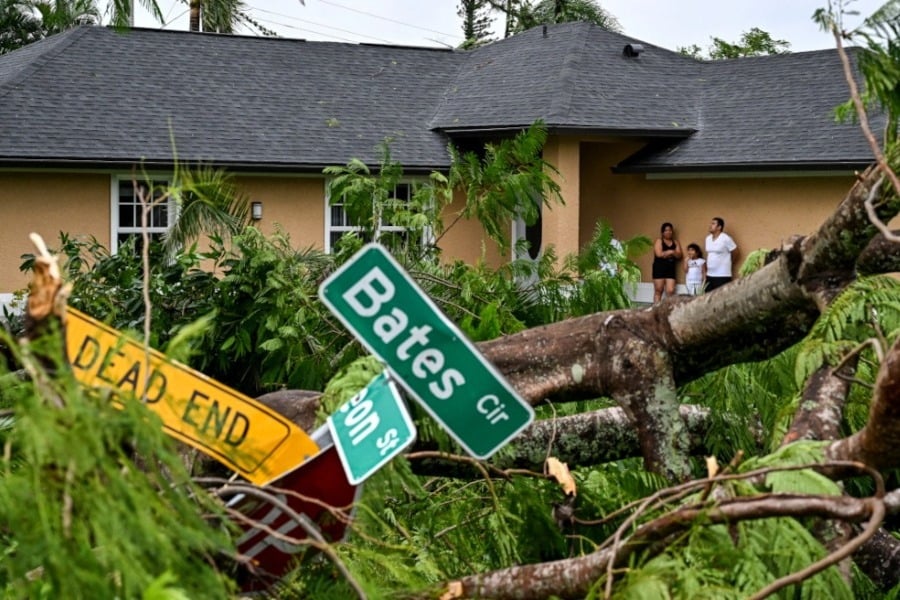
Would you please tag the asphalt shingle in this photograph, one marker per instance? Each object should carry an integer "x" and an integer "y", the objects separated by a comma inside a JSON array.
[
  {"x": 93, "y": 96},
  {"x": 114, "y": 97}
]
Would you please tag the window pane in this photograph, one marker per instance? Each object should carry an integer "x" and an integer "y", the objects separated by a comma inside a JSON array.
[
  {"x": 338, "y": 216},
  {"x": 159, "y": 216},
  {"x": 126, "y": 215},
  {"x": 403, "y": 191}
]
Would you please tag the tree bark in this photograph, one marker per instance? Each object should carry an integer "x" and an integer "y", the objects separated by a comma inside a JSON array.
[
  {"x": 194, "y": 19},
  {"x": 584, "y": 439},
  {"x": 878, "y": 443},
  {"x": 573, "y": 578}
]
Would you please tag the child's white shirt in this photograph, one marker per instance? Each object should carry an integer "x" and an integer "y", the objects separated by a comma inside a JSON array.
[{"x": 695, "y": 270}]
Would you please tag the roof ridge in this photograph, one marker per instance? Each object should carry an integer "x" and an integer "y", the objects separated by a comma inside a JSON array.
[
  {"x": 41, "y": 58},
  {"x": 561, "y": 105},
  {"x": 452, "y": 84}
]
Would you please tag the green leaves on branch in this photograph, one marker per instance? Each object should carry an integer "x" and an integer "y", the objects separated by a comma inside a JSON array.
[
  {"x": 96, "y": 504},
  {"x": 878, "y": 61},
  {"x": 373, "y": 202},
  {"x": 510, "y": 181},
  {"x": 209, "y": 203}
]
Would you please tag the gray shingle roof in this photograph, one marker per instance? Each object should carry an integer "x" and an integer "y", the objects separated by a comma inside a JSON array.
[
  {"x": 770, "y": 111},
  {"x": 573, "y": 77},
  {"x": 93, "y": 96},
  {"x": 108, "y": 97}
]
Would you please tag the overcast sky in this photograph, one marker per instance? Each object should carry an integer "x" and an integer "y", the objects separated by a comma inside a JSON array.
[{"x": 666, "y": 23}]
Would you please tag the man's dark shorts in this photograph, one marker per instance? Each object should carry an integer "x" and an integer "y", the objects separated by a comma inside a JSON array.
[{"x": 716, "y": 282}]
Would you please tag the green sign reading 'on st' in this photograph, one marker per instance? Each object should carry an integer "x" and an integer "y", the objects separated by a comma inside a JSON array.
[
  {"x": 371, "y": 428},
  {"x": 381, "y": 305}
]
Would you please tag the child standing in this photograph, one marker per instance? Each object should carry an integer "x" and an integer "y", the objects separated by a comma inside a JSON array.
[{"x": 695, "y": 270}]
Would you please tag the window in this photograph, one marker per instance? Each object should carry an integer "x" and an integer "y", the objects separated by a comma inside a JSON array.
[
  {"x": 126, "y": 211},
  {"x": 338, "y": 223}
]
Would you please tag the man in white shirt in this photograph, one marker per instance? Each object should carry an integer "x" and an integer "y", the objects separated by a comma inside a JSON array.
[{"x": 719, "y": 248}]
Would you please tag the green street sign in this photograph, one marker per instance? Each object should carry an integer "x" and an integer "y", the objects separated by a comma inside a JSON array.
[
  {"x": 377, "y": 301},
  {"x": 371, "y": 428}
]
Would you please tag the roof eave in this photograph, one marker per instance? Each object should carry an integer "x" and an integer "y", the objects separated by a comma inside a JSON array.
[
  {"x": 166, "y": 165},
  {"x": 641, "y": 132},
  {"x": 812, "y": 165}
]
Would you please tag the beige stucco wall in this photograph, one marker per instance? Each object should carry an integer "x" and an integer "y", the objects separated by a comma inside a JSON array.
[
  {"x": 561, "y": 223},
  {"x": 758, "y": 211},
  {"x": 48, "y": 203},
  {"x": 295, "y": 204},
  {"x": 79, "y": 204},
  {"x": 465, "y": 240}
]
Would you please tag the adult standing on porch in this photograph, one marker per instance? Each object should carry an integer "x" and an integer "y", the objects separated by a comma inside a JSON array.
[
  {"x": 666, "y": 254},
  {"x": 719, "y": 250}
]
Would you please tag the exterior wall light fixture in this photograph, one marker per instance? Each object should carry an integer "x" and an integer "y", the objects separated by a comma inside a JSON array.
[{"x": 256, "y": 210}]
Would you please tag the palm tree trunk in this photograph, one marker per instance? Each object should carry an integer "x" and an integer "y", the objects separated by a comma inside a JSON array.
[{"x": 195, "y": 15}]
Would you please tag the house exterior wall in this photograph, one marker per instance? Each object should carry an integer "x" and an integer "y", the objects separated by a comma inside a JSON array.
[
  {"x": 295, "y": 204},
  {"x": 561, "y": 223},
  {"x": 465, "y": 239},
  {"x": 79, "y": 204},
  {"x": 759, "y": 211},
  {"x": 46, "y": 204}
]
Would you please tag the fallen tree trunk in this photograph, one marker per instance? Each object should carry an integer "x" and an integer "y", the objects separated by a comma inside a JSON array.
[{"x": 639, "y": 357}]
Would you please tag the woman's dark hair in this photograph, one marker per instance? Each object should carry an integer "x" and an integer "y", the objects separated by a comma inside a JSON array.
[
  {"x": 662, "y": 227},
  {"x": 696, "y": 249}
]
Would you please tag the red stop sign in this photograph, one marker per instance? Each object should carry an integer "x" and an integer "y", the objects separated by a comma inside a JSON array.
[{"x": 320, "y": 479}]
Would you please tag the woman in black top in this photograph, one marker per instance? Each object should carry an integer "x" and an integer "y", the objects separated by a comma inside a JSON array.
[{"x": 666, "y": 254}]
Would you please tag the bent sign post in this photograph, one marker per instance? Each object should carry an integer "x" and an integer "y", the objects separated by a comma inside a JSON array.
[
  {"x": 376, "y": 300},
  {"x": 235, "y": 429}
]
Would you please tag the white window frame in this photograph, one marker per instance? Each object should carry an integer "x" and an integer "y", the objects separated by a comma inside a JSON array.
[
  {"x": 331, "y": 228},
  {"x": 116, "y": 228}
]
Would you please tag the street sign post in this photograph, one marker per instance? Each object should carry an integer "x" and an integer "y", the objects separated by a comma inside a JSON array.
[
  {"x": 377, "y": 301},
  {"x": 235, "y": 429},
  {"x": 371, "y": 428}
]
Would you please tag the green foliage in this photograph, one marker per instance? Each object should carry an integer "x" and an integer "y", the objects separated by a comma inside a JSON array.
[
  {"x": 110, "y": 287},
  {"x": 263, "y": 327},
  {"x": 18, "y": 25},
  {"x": 348, "y": 382},
  {"x": 477, "y": 22},
  {"x": 721, "y": 562},
  {"x": 209, "y": 203},
  {"x": 755, "y": 261},
  {"x": 868, "y": 308},
  {"x": 878, "y": 61},
  {"x": 271, "y": 330},
  {"x": 509, "y": 181},
  {"x": 527, "y": 14},
  {"x": 750, "y": 404},
  {"x": 718, "y": 561},
  {"x": 95, "y": 503},
  {"x": 414, "y": 532},
  {"x": 755, "y": 42},
  {"x": 371, "y": 203},
  {"x": 483, "y": 301}
]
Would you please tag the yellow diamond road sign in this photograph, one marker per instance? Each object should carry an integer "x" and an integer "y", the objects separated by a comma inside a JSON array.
[{"x": 240, "y": 432}]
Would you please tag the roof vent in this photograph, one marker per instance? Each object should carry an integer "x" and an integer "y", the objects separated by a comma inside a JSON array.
[{"x": 632, "y": 50}]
